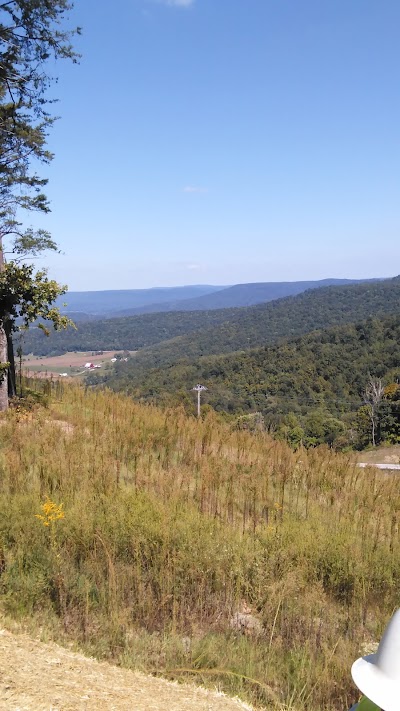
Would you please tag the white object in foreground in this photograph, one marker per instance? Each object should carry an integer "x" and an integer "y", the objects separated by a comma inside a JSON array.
[{"x": 378, "y": 466}]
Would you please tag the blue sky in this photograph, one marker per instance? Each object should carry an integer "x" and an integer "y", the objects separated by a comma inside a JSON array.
[{"x": 227, "y": 141}]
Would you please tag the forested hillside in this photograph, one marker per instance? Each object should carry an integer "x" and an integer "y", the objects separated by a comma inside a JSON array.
[
  {"x": 283, "y": 318},
  {"x": 318, "y": 378},
  {"x": 270, "y": 323},
  {"x": 125, "y": 333},
  {"x": 225, "y": 330}
]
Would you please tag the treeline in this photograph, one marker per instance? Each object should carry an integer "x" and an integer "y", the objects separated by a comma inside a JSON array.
[
  {"x": 309, "y": 389},
  {"x": 292, "y": 316},
  {"x": 198, "y": 333},
  {"x": 125, "y": 333},
  {"x": 281, "y": 319}
]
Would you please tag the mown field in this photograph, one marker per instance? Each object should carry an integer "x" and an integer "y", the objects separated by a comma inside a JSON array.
[
  {"x": 162, "y": 528},
  {"x": 72, "y": 363}
]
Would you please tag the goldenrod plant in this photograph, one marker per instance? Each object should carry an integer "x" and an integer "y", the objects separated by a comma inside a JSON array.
[{"x": 51, "y": 512}]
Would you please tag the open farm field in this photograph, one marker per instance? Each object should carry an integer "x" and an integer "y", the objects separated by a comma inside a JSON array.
[{"x": 72, "y": 363}]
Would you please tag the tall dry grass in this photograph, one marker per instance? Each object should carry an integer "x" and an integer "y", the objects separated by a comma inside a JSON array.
[{"x": 171, "y": 523}]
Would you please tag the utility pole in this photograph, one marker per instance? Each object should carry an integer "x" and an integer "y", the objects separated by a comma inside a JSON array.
[{"x": 199, "y": 389}]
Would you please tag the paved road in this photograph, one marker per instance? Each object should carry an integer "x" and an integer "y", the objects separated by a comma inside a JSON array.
[{"x": 379, "y": 466}]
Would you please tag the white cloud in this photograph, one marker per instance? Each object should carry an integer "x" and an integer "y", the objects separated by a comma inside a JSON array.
[
  {"x": 183, "y": 267},
  {"x": 177, "y": 3},
  {"x": 193, "y": 267},
  {"x": 194, "y": 189}
]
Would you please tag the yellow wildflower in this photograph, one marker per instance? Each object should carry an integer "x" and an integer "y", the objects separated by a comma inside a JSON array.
[{"x": 51, "y": 512}]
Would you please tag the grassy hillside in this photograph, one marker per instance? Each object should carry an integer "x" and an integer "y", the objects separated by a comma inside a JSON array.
[
  {"x": 212, "y": 332},
  {"x": 159, "y": 530}
]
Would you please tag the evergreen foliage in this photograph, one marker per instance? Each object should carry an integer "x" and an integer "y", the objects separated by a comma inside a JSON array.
[{"x": 29, "y": 35}]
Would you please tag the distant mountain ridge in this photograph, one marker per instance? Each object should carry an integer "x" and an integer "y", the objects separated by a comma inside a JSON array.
[
  {"x": 102, "y": 303},
  {"x": 131, "y": 302},
  {"x": 241, "y": 295},
  {"x": 171, "y": 336}
]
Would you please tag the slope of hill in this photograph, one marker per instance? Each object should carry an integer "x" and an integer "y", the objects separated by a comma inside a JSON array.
[
  {"x": 225, "y": 330},
  {"x": 129, "y": 302},
  {"x": 268, "y": 323},
  {"x": 36, "y": 676},
  {"x": 150, "y": 539},
  {"x": 126, "y": 333},
  {"x": 245, "y": 295},
  {"x": 326, "y": 369}
]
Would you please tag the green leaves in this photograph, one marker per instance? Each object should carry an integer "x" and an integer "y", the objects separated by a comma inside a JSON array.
[
  {"x": 29, "y": 36},
  {"x": 30, "y": 295},
  {"x": 32, "y": 243}
]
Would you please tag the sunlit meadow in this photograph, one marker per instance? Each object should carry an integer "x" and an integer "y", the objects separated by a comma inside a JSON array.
[{"x": 138, "y": 533}]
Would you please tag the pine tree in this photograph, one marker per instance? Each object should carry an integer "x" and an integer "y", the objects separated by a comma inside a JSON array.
[{"x": 30, "y": 33}]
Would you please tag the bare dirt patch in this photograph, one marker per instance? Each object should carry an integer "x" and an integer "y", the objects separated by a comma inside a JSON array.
[
  {"x": 381, "y": 455},
  {"x": 45, "y": 677}
]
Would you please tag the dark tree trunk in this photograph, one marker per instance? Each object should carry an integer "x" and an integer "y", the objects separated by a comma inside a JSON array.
[
  {"x": 3, "y": 351},
  {"x": 12, "y": 381},
  {"x": 3, "y": 375}
]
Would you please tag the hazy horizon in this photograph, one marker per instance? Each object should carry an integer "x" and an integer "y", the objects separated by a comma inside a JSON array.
[{"x": 227, "y": 286}]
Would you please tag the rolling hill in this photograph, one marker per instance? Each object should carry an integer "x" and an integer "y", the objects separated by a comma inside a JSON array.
[
  {"x": 193, "y": 334},
  {"x": 101, "y": 303},
  {"x": 130, "y": 302},
  {"x": 243, "y": 295},
  {"x": 256, "y": 326},
  {"x": 124, "y": 333},
  {"x": 326, "y": 368}
]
